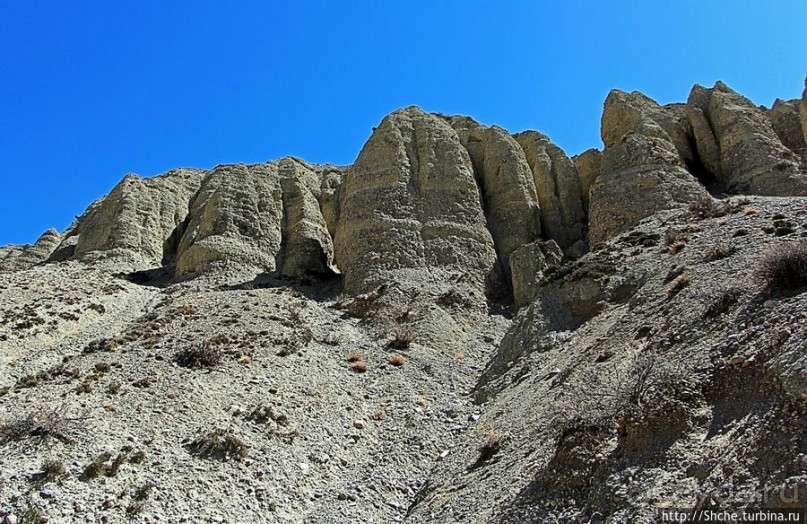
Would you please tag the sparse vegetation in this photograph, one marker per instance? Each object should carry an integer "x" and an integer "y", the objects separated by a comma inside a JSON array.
[
  {"x": 717, "y": 252},
  {"x": 52, "y": 469},
  {"x": 200, "y": 355},
  {"x": 59, "y": 371},
  {"x": 784, "y": 267},
  {"x": 265, "y": 413},
  {"x": 42, "y": 426},
  {"x": 353, "y": 357},
  {"x": 143, "y": 492},
  {"x": 220, "y": 444},
  {"x": 359, "y": 367},
  {"x": 722, "y": 303},
  {"x": 677, "y": 284},
  {"x": 397, "y": 360},
  {"x": 107, "y": 345},
  {"x": 491, "y": 446},
  {"x": 707, "y": 207},
  {"x": 402, "y": 338}
]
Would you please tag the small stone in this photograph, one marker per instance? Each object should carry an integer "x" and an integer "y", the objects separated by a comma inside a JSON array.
[
  {"x": 303, "y": 467},
  {"x": 47, "y": 494},
  {"x": 358, "y": 424},
  {"x": 10, "y": 519}
]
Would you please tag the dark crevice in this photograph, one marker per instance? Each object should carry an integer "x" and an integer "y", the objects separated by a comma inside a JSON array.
[{"x": 696, "y": 168}]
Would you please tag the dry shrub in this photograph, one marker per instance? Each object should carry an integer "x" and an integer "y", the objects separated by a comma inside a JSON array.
[
  {"x": 722, "y": 303},
  {"x": 199, "y": 355},
  {"x": 708, "y": 207},
  {"x": 397, "y": 360},
  {"x": 491, "y": 446},
  {"x": 353, "y": 357},
  {"x": 676, "y": 246},
  {"x": 402, "y": 338},
  {"x": 677, "y": 284},
  {"x": 717, "y": 252},
  {"x": 43, "y": 426},
  {"x": 219, "y": 444},
  {"x": 784, "y": 267},
  {"x": 359, "y": 367},
  {"x": 52, "y": 469}
]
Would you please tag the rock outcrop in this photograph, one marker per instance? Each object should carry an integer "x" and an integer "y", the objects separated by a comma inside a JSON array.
[
  {"x": 504, "y": 176},
  {"x": 786, "y": 120},
  {"x": 737, "y": 144},
  {"x": 443, "y": 198},
  {"x": 135, "y": 222},
  {"x": 558, "y": 187},
  {"x": 643, "y": 171},
  {"x": 21, "y": 257},
  {"x": 410, "y": 209},
  {"x": 589, "y": 167},
  {"x": 803, "y": 110},
  {"x": 234, "y": 221},
  {"x": 528, "y": 265}
]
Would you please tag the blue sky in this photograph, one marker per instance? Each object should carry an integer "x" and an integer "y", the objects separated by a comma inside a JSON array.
[{"x": 92, "y": 90}]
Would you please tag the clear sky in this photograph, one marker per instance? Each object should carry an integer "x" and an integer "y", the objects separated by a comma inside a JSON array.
[{"x": 92, "y": 90}]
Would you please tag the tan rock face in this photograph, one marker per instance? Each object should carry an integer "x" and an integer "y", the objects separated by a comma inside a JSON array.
[
  {"x": 258, "y": 218},
  {"x": 786, "y": 122},
  {"x": 307, "y": 246},
  {"x": 410, "y": 208},
  {"x": 506, "y": 180},
  {"x": 589, "y": 166},
  {"x": 558, "y": 187},
  {"x": 528, "y": 265},
  {"x": 642, "y": 169},
  {"x": 751, "y": 157},
  {"x": 13, "y": 258},
  {"x": 234, "y": 219},
  {"x": 137, "y": 218},
  {"x": 803, "y": 110}
]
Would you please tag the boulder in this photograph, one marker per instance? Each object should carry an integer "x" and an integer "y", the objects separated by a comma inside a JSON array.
[
  {"x": 642, "y": 169},
  {"x": 410, "y": 210},
  {"x": 558, "y": 187},
  {"x": 136, "y": 221},
  {"x": 751, "y": 158}
]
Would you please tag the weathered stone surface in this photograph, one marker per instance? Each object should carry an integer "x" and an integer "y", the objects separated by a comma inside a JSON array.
[
  {"x": 13, "y": 257},
  {"x": 410, "y": 208},
  {"x": 136, "y": 220},
  {"x": 642, "y": 169},
  {"x": 510, "y": 200},
  {"x": 235, "y": 219},
  {"x": 786, "y": 119},
  {"x": 803, "y": 110},
  {"x": 528, "y": 265},
  {"x": 557, "y": 184},
  {"x": 589, "y": 166},
  {"x": 752, "y": 158},
  {"x": 332, "y": 178},
  {"x": 307, "y": 247}
]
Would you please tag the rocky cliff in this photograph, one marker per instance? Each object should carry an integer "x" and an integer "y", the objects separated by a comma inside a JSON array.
[{"x": 464, "y": 325}]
